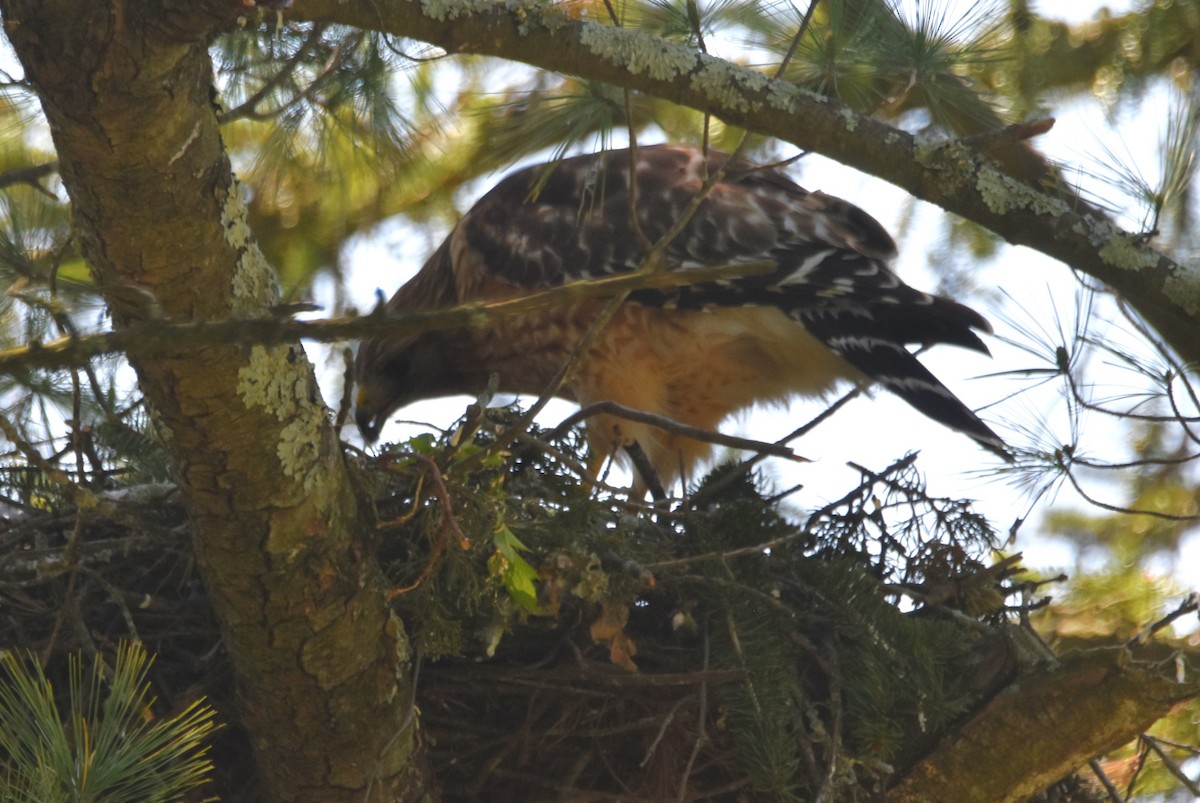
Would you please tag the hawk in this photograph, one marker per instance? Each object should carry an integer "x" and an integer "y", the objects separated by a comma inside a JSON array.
[{"x": 831, "y": 309}]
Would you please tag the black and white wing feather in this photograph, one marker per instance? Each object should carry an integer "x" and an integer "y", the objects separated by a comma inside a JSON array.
[{"x": 547, "y": 225}]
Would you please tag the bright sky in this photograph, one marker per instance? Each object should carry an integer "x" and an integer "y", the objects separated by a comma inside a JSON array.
[{"x": 876, "y": 431}]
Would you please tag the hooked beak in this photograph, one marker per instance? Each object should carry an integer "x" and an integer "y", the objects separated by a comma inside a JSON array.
[{"x": 368, "y": 424}]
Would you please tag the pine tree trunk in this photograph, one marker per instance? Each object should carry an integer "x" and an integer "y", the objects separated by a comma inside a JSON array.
[{"x": 322, "y": 667}]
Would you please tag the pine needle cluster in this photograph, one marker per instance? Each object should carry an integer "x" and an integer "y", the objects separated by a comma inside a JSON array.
[{"x": 102, "y": 741}]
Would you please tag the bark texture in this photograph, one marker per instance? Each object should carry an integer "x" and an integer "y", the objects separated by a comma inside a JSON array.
[
  {"x": 322, "y": 667},
  {"x": 1043, "y": 727}
]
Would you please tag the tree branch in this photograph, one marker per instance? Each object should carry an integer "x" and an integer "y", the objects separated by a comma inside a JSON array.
[
  {"x": 1042, "y": 728},
  {"x": 28, "y": 175},
  {"x": 952, "y": 174},
  {"x": 157, "y": 337}
]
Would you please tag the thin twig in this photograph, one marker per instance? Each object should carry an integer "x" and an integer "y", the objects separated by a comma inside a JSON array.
[
  {"x": 795, "y": 44},
  {"x": 449, "y": 523},
  {"x": 559, "y": 455},
  {"x": 344, "y": 405},
  {"x": 409, "y": 714},
  {"x": 1172, "y": 765},
  {"x": 646, "y": 470},
  {"x": 69, "y": 600},
  {"x": 701, "y": 726},
  {"x": 835, "y": 705},
  {"x": 1190, "y": 604},
  {"x": 745, "y": 466},
  {"x": 161, "y": 336},
  {"x": 757, "y": 549},
  {"x": 1113, "y": 795},
  {"x": 444, "y": 499},
  {"x": 673, "y": 426},
  {"x": 35, "y": 458},
  {"x": 24, "y": 568},
  {"x": 28, "y": 175},
  {"x": 117, "y": 598},
  {"x": 662, "y": 730},
  {"x": 248, "y": 108},
  {"x": 1119, "y": 509}
]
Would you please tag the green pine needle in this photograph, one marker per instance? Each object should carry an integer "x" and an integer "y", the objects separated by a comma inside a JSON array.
[
  {"x": 893, "y": 57},
  {"x": 1177, "y": 162},
  {"x": 106, "y": 745},
  {"x": 1165, "y": 197},
  {"x": 694, "y": 22},
  {"x": 556, "y": 119}
]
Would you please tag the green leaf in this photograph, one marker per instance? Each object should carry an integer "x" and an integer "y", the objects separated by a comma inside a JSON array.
[
  {"x": 516, "y": 572},
  {"x": 425, "y": 443}
]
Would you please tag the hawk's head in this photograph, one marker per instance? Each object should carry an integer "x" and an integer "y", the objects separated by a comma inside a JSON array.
[{"x": 392, "y": 372}]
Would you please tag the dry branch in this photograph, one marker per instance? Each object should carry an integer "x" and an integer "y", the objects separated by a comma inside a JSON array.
[{"x": 1042, "y": 728}]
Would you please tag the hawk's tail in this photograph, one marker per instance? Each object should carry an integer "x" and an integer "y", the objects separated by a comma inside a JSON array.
[
  {"x": 873, "y": 341},
  {"x": 862, "y": 311}
]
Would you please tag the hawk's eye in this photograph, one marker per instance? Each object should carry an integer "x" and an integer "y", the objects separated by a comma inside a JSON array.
[{"x": 398, "y": 366}]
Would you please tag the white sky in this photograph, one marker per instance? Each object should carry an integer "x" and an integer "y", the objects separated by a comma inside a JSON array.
[{"x": 876, "y": 431}]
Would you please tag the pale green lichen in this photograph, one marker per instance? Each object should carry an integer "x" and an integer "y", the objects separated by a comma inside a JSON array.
[
  {"x": 253, "y": 287},
  {"x": 445, "y": 10},
  {"x": 279, "y": 379},
  {"x": 730, "y": 86},
  {"x": 273, "y": 379},
  {"x": 997, "y": 191},
  {"x": 848, "y": 117},
  {"x": 660, "y": 59},
  {"x": 254, "y": 283},
  {"x": 1183, "y": 287},
  {"x": 1000, "y": 192},
  {"x": 297, "y": 451},
  {"x": 233, "y": 217},
  {"x": 783, "y": 96},
  {"x": 788, "y": 98},
  {"x": 1122, "y": 250},
  {"x": 1003, "y": 194}
]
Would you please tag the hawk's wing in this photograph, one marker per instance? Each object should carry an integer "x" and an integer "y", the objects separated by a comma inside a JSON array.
[
  {"x": 547, "y": 225},
  {"x": 571, "y": 220}
]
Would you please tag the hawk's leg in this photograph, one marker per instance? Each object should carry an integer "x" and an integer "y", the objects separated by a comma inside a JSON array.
[
  {"x": 606, "y": 437},
  {"x": 646, "y": 478}
]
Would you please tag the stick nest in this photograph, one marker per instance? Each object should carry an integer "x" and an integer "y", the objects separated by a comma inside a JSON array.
[{"x": 574, "y": 645}]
